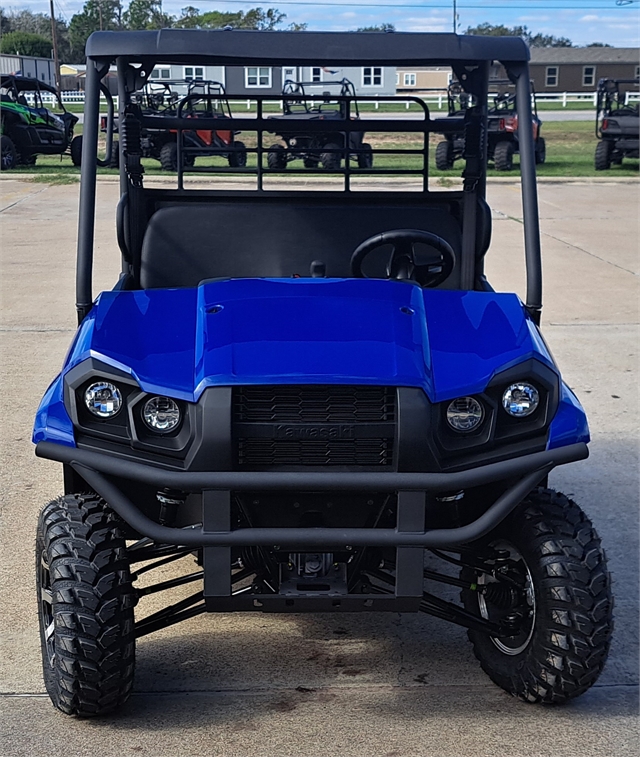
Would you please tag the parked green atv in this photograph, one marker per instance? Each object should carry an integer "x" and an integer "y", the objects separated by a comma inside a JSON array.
[{"x": 28, "y": 127}]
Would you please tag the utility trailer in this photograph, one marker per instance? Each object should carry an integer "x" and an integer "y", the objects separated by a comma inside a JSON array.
[{"x": 302, "y": 382}]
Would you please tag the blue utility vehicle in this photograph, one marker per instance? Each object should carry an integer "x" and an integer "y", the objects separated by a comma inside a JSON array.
[{"x": 303, "y": 383}]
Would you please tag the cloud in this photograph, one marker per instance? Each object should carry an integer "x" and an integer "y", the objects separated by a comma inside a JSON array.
[
  {"x": 590, "y": 18},
  {"x": 349, "y": 14},
  {"x": 536, "y": 19},
  {"x": 424, "y": 24}
]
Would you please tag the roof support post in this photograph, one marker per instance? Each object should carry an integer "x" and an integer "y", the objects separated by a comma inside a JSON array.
[
  {"x": 474, "y": 82},
  {"x": 533, "y": 256},
  {"x": 86, "y": 217}
]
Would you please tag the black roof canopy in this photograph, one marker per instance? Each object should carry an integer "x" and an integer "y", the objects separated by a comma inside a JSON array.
[
  {"x": 26, "y": 83},
  {"x": 244, "y": 47}
]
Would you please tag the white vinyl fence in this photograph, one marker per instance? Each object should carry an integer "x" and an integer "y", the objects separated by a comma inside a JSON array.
[{"x": 561, "y": 99}]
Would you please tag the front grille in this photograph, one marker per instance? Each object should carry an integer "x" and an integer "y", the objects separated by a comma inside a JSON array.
[
  {"x": 269, "y": 452},
  {"x": 313, "y": 425},
  {"x": 314, "y": 404}
]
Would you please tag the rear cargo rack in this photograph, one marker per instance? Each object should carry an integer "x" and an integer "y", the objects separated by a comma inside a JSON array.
[{"x": 265, "y": 126}]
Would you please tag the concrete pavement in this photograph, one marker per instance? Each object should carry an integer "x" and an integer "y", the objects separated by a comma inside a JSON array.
[{"x": 323, "y": 685}]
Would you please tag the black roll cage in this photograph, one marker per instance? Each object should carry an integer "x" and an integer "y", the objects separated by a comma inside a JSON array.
[
  {"x": 608, "y": 99},
  {"x": 294, "y": 93},
  {"x": 136, "y": 53}
]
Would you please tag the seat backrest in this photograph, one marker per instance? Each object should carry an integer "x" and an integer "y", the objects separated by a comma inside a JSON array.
[{"x": 186, "y": 243}]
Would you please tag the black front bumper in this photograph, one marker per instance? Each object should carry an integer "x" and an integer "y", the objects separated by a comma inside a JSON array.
[{"x": 97, "y": 469}]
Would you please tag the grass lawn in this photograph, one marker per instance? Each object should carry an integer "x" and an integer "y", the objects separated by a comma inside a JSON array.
[{"x": 570, "y": 152}]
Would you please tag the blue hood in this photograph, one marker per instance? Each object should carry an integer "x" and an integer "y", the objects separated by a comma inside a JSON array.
[{"x": 308, "y": 331}]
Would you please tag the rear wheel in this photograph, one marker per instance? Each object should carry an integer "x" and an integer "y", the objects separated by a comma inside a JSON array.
[
  {"x": 115, "y": 154},
  {"x": 85, "y": 606},
  {"x": 76, "y": 150},
  {"x": 365, "y": 158},
  {"x": 541, "y": 151},
  {"x": 330, "y": 158},
  {"x": 603, "y": 155},
  {"x": 549, "y": 550},
  {"x": 277, "y": 158},
  {"x": 169, "y": 156},
  {"x": 9, "y": 156},
  {"x": 503, "y": 156},
  {"x": 238, "y": 155},
  {"x": 444, "y": 155}
]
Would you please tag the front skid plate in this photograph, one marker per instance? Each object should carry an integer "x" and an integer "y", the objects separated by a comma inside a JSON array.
[{"x": 276, "y": 603}]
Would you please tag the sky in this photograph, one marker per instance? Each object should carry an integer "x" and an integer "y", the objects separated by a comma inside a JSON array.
[{"x": 616, "y": 22}]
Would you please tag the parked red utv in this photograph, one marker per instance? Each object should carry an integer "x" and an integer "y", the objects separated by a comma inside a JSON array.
[
  {"x": 195, "y": 99},
  {"x": 502, "y": 127}
]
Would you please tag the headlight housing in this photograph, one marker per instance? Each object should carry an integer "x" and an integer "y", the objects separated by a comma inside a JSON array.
[
  {"x": 465, "y": 414},
  {"x": 521, "y": 399},
  {"x": 161, "y": 414},
  {"x": 103, "y": 399}
]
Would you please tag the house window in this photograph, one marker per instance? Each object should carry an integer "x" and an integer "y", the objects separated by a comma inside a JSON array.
[
  {"x": 551, "y": 78},
  {"x": 397, "y": 79},
  {"x": 316, "y": 74},
  {"x": 257, "y": 77},
  {"x": 637, "y": 76},
  {"x": 409, "y": 80},
  {"x": 160, "y": 72},
  {"x": 193, "y": 72},
  {"x": 371, "y": 77},
  {"x": 588, "y": 76}
]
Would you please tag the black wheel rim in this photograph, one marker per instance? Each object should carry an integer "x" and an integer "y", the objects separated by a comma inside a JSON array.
[
  {"x": 7, "y": 156},
  {"x": 46, "y": 611}
]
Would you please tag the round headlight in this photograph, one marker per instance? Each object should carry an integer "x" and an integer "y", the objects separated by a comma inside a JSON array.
[
  {"x": 465, "y": 414},
  {"x": 103, "y": 399},
  {"x": 161, "y": 414},
  {"x": 520, "y": 399}
]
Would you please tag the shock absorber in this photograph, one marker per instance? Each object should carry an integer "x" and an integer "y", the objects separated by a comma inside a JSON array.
[{"x": 501, "y": 595}]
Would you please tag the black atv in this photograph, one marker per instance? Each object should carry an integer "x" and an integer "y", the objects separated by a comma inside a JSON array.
[
  {"x": 28, "y": 127},
  {"x": 324, "y": 148},
  {"x": 617, "y": 123},
  {"x": 502, "y": 128}
]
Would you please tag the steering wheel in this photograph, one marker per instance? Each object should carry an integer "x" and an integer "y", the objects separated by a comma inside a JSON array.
[{"x": 402, "y": 263}]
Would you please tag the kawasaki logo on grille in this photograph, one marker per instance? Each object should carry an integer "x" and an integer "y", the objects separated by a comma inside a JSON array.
[{"x": 315, "y": 432}]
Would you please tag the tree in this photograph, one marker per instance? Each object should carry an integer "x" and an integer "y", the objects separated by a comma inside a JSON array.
[
  {"x": 190, "y": 18},
  {"x": 36, "y": 23},
  {"x": 23, "y": 43},
  {"x": 378, "y": 28},
  {"x": 533, "y": 40},
  {"x": 5, "y": 23},
  {"x": 255, "y": 18},
  {"x": 146, "y": 14},
  {"x": 598, "y": 44},
  {"x": 96, "y": 15}
]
